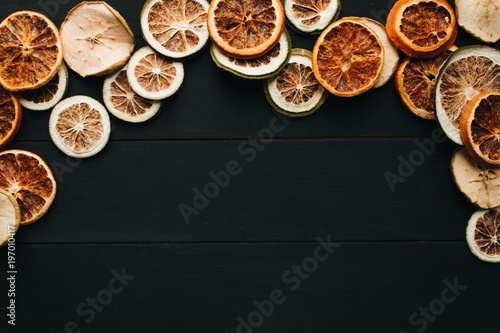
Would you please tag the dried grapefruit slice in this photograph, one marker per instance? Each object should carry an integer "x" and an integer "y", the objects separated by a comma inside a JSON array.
[
  {"x": 480, "y": 18},
  {"x": 30, "y": 51},
  {"x": 174, "y": 28},
  {"x": 311, "y": 16},
  {"x": 257, "y": 68},
  {"x": 415, "y": 80},
  {"x": 48, "y": 95},
  {"x": 294, "y": 91},
  {"x": 480, "y": 127},
  {"x": 422, "y": 28},
  {"x": 245, "y": 28},
  {"x": 10, "y": 116},
  {"x": 153, "y": 76},
  {"x": 348, "y": 58},
  {"x": 96, "y": 39},
  {"x": 123, "y": 102},
  {"x": 468, "y": 71},
  {"x": 27, "y": 177},
  {"x": 10, "y": 216},
  {"x": 79, "y": 126},
  {"x": 483, "y": 235}
]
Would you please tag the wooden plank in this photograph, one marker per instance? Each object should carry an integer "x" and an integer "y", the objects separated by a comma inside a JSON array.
[
  {"x": 361, "y": 287},
  {"x": 291, "y": 191}
]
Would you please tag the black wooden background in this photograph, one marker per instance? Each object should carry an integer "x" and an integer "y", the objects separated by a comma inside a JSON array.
[{"x": 395, "y": 252}]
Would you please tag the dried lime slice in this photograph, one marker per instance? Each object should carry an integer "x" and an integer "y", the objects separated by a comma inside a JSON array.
[
  {"x": 258, "y": 68},
  {"x": 10, "y": 216},
  {"x": 294, "y": 91},
  {"x": 79, "y": 126},
  {"x": 483, "y": 235},
  {"x": 48, "y": 95},
  {"x": 311, "y": 16},
  {"x": 123, "y": 102},
  {"x": 468, "y": 72}
]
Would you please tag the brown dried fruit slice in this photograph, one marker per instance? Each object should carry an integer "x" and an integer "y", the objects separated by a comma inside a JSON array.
[
  {"x": 30, "y": 51},
  {"x": 311, "y": 16},
  {"x": 415, "y": 80},
  {"x": 79, "y": 126},
  {"x": 174, "y": 28},
  {"x": 10, "y": 116},
  {"x": 96, "y": 39},
  {"x": 245, "y": 28},
  {"x": 348, "y": 58},
  {"x": 483, "y": 235},
  {"x": 480, "y": 128},
  {"x": 27, "y": 177},
  {"x": 422, "y": 28},
  {"x": 10, "y": 216},
  {"x": 123, "y": 102}
]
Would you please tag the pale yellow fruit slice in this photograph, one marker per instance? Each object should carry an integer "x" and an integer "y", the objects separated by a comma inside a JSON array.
[
  {"x": 480, "y": 18},
  {"x": 96, "y": 39},
  {"x": 10, "y": 216},
  {"x": 79, "y": 126},
  {"x": 483, "y": 235},
  {"x": 311, "y": 16}
]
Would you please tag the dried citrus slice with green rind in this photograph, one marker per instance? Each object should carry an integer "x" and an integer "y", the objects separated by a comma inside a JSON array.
[
  {"x": 483, "y": 235},
  {"x": 311, "y": 16}
]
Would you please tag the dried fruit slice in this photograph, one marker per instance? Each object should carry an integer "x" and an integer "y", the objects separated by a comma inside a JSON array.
[
  {"x": 258, "y": 68},
  {"x": 174, "y": 28},
  {"x": 348, "y": 58},
  {"x": 415, "y": 80},
  {"x": 422, "y": 28},
  {"x": 48, "y": 95},
  {"x": 123, "y": 102},
  {"x": 79, "y": 126},
  {"x": 468, "y": 71},
  {"x": 311, "y": 16},
  {"x": 10, "y": 216},
  {"x": 10, "y": 116},
  {"x": 96, "y": 39},
  {"x": 483, "y": 235},
  {"x": 479, "y": 183},
  {"x": 27, "y": 177},
  {"x": 391, "y": 58},
  {"x": 30, "y": 51},
  {"x": 480, "y": 127},
  {"x": 295, "y": 92},
  {"x": 480, "y": 18},
  {"x": 245, "y": 28},
  {"x": 153, "y": 76}
]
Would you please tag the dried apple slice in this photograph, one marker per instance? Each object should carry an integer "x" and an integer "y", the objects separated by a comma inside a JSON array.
[{"x": 10, "y": 216}]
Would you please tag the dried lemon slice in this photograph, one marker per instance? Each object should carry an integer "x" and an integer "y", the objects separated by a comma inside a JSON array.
[
  {"x": 311, "y": 16},
  {"x": 10, "y": 116},
  {"x": 28, "y": 178},
  {"x": 10, "y": 216},
  {"x": 483, "y": 235},
  {"x": 480, "y": 18},
  {"x": 96, "y": 39},
  {"x": 478, "y": 182},
  {"x": 153, "y": 76},
  {"x": 48, "y": 95},
  {"x": 468, "y": 72},
  {"x": 79, "y": 126},
  {"x": 123, "y": 102},
  {"x": 257, "y": 68},
  {"x": 294, "y": 91},
  {"x": 174, "y": 28}
]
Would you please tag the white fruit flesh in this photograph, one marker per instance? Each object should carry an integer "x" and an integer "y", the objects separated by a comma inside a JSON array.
[
  {"x": 480, "y": 18},
  {"x": 10, "y": 216}
]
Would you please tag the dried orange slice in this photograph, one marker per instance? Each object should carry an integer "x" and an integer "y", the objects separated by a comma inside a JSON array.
[
  {"x": 10, "y": 116},
  {"x": 176, "y": 29},
  {"x": 153, "y": 76},
  {"x": 480, "y": 127},
  {"x": 422, "y": 28},
  {"x": 348, "y": 58},
  {"x": 415, "y": 80},
  {"x": 79, "y": 126},
  {"x": 123, "y": 102},
  {"x": 10, "y": 216},
  {"x": 245, "y": 28},
  {"x": 96, "y": 39},
  {"x": 483, "y": 235},
  {"x": 30, "y": 51},
  {"x": 27, "y": 177},
  {"x": 311, "y": 16}
]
